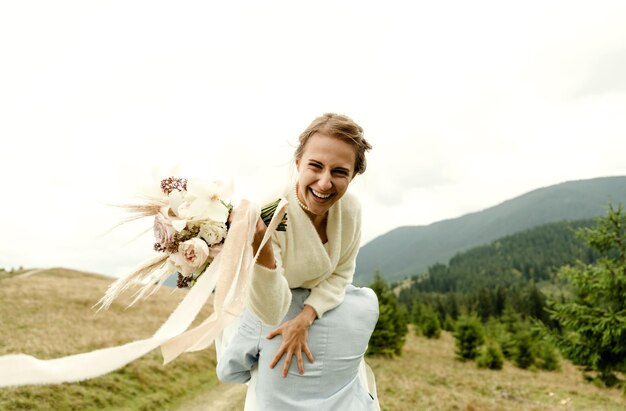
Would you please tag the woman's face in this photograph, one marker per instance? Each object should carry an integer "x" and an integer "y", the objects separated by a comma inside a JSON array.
[{"x": 325, "y": 170}]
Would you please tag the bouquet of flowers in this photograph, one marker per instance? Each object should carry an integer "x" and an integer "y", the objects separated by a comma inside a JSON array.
[
  {"x": 191, "y": 220},
  {"x": 195, "y": 235}
]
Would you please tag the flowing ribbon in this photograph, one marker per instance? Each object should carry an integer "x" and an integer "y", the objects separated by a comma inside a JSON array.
[{"x": 229, "y": 275}]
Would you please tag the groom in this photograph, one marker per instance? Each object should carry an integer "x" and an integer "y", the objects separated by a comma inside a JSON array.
[{"x": 338, "y": 342}]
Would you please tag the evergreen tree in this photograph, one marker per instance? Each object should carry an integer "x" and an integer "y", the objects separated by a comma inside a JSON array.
[
  {"x": 448, "y": 324},
  {"x": 417, "y": 312},
  {"x": 535, "y": 303},
  {"x": 497, "y": 330},
  {"x": 523, "y": 356},
  {"x": 547, "y": 358},
  {"x": 594, "y": 322},
  {"x": 500, "y": 300},
  {"x": 430, "y": 324},
  {"x": 390, "y": 333},
  {"x": 469, "y": 335},
  {"x": 490, "y": 357}
]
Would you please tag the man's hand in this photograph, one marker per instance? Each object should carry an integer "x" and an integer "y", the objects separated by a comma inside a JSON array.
[{"x": 295, "y": 333}]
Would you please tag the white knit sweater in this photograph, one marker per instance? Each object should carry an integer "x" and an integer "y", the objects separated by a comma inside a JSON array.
[{"x": 303, "y": 261}]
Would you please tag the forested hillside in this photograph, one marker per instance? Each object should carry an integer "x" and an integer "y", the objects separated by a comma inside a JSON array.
[
  {"x": 511, "y": 271},
  {"x": 520, "y": 298},
  {"x": 408, "y": 251}
]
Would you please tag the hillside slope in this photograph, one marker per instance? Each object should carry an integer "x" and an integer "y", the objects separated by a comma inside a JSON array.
[
  {"x": 49, "y": 314},
  {"x": 407, "y": 251},
  {"x": 428, "y": 377}
]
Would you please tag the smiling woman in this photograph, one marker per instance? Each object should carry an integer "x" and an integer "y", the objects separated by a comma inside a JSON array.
[
  {"x": 324, "y": 173},
  {"x": 331, "y": 152},
  {"x": 316, "y": 252}
]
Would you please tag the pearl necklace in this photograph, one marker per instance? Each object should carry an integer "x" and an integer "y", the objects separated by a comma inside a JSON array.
[{"x": 304, "y": 207}]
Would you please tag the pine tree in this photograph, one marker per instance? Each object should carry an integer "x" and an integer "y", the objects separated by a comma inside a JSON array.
[
  {"x": 490, "y": 356},
  {"x": 594, "y": 322},
  {"x": 448, "y": 324},
  {"x": 430, "y": 324},
  {"x": 523, "y": 355},
  {"x": 390, "y": 333},
  {"x": 469, "y": 335},
  {"x": 546, "y": 356}
]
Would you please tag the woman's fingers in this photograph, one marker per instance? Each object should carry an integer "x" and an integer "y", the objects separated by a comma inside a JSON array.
[
  {"x": 287, "y": 363},
  {"x": 294, "y": 342},
  {"x": 299, "y": 361},
  {"x": 289, "y": 357},
  {"x": 308, "y": 353},
  {"x": 278, "y": 355},
  {"x": 274, "y": 333}
]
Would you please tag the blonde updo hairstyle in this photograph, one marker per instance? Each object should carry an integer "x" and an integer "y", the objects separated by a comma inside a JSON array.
[{"x": 341, "y": 127}]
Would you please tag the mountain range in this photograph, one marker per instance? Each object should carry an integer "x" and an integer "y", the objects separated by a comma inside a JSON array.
[{"x": 410, "y": 250}]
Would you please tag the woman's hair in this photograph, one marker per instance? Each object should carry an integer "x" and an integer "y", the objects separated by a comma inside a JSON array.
[{"x": 342, "y": 127}]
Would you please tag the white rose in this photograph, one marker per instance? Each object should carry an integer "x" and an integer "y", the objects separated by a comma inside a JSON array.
[{"x": 213, "y": 232}]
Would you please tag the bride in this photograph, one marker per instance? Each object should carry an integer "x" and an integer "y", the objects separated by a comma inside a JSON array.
[
  {"x": 316, "y": 253},
  {"x": 318, "y": 250}
]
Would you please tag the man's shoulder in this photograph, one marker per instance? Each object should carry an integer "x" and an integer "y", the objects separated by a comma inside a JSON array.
[
  {"x": 361, "y": 298},
  {"x": 362, "y": 293}
]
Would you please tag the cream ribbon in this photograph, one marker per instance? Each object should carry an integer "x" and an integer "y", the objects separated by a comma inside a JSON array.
[{"x": 229, "y": 275}]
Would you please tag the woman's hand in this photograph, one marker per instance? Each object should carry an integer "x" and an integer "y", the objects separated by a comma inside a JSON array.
[
  {"x": 295, "y": 333},
  {"x": 266, "y": 256}
]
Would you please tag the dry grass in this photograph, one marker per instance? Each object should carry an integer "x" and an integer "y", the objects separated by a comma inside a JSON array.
[
  {"x": 428, "y": 377},
  {"x": 50, "y": 315}
]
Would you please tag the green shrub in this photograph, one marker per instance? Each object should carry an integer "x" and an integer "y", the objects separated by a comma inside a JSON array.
[
  {"x": 469, "y": 335},
  {"x": 547, "y": 357},
  {"x": 430, "y": 326},
  {"x": 523, "y": 356},
  {"x": 490, "y": 356},
  {"x": 448, "y": 323},
  {"x": 390, "y": 333},
  {"x": 498, "y": 330},
  {"x": 592, "y": 330}
]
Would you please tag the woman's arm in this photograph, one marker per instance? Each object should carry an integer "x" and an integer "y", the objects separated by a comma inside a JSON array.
[
  {"x": 269, "y": 294},
  {"x": 266, "y": 255}
]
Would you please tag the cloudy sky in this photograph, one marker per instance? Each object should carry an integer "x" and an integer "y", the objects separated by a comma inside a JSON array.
[{"x": 467, "y": 104}]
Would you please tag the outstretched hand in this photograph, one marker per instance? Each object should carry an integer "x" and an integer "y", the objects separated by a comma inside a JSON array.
[{"x": 295, "y": 334}]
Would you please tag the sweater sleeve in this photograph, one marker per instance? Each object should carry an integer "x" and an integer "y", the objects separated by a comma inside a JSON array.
[
  {"x": 269, "y": 297},
  {"x": 330, "y": 293}
]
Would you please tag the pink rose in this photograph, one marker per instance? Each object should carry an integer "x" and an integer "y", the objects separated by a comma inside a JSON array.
[
  {"x": 190, "y": 256},
  {"x": 163, "y": 230}
]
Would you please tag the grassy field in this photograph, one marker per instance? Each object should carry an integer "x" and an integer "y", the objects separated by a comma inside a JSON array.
[
  {"x": 49, "y": 315},
  {"x": 428, "y": 377}
]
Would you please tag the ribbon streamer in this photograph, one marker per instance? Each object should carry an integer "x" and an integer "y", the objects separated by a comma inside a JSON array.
[{"x": 229, "y": 275}]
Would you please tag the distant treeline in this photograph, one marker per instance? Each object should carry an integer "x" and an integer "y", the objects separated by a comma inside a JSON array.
[{"x": 516, "y": 271}]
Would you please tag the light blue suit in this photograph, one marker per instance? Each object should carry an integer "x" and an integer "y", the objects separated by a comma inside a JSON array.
[{"x": 338, "y": 342}]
